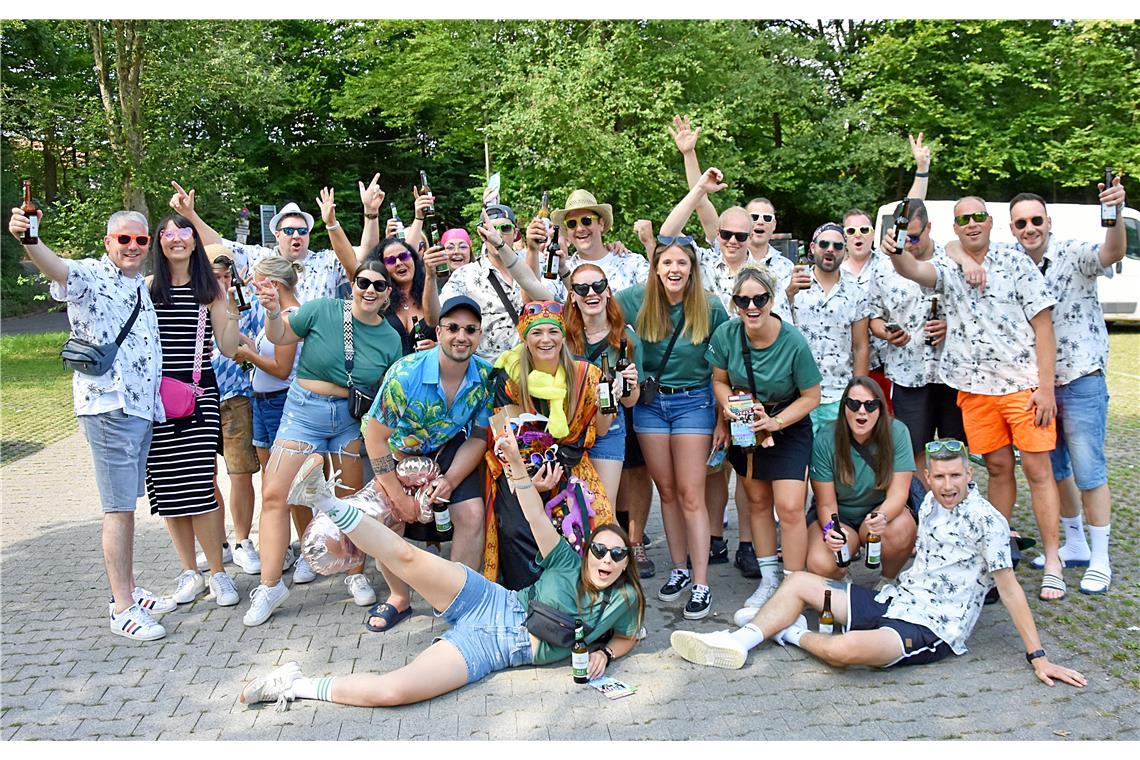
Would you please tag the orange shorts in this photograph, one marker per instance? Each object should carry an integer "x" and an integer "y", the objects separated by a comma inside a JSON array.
[{"x": 992, "y": 422}]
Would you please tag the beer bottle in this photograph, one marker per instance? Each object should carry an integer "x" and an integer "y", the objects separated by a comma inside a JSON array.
[
  {"x": 826, "y": 619},
  {"x": 425, "y": 190},
  {"x": 544, "y": 210},
  {"x": 1108, "y": 213},
  {"x": 417, "y": 329},
  {"x": 902, "y": 221},
  {"x": 933, "y": 315},
  {"x": 606, "y": 402},
  {"x": 442, "y": 519},
  {"x": 434, "y": 233},
  {"x": 239, "y": 289},
  {"x": 623, "y": 362},
  {"x": 399, "y": 224},
  {"x": 874, "y": 550},
  {"x": 553, "y": 257},
  {"x": 843, "y": 556},
  {"x": 29, "y": 207},
  {"x": 579, "y": 655}
]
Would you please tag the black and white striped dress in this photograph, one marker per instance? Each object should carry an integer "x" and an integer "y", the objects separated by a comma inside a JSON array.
[{"x": 181, "y": 464}]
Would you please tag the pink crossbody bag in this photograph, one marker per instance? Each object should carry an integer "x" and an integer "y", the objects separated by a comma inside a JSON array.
[{"x": 180, "y": 399}]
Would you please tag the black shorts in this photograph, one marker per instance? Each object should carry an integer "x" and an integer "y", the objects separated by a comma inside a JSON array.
[
  {"x": 787, "y": 460},
  {"x": 928, "y": 412},
  {"x": 920, "y": 644},
  {"x": 633, "y": 455},
  {"x": 470, "y": 488}
]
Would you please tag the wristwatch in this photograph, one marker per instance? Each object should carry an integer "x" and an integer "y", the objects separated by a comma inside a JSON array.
[
  {"x": 371, "y": 216},
  {"x": 1031, "y": 656}
]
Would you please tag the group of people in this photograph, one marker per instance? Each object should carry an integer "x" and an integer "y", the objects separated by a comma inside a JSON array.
[{"x": 553, "y": 395}]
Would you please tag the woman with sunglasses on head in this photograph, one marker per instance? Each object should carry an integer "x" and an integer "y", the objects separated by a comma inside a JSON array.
[
  {"x": 540, "y": 377},
  {"x": 766, "y": 358},
  {"x": 675, "y": 427},
  {"x": 191, "y": 308},
  {"x": 317, "y": 416},
  {"x": 861, "y": 469},
  {"x": 489, "y": 624}
]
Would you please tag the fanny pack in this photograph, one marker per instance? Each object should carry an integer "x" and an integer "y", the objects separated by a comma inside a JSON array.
[
  {"x": 180, "y": 399},
  {"x": 556, "y": 627},
  {"x": 650, "y": 385},
  {"x": 360, "y": 397},
  {"x": 89, "y": 358}
]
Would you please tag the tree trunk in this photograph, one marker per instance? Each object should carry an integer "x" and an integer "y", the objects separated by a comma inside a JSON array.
[{"x": 51, "y": 165}]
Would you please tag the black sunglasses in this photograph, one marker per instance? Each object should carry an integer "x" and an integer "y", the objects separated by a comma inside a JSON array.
[
  {"x": 142, "y": 240},
  {"x": 617, "y": 553},
  {"x": 727, "y": 235},
  {"x": 743, "y": 301},
  {"x": 584, "y": 290},
  {"x": 1036, "y": 221},
  {"x": 871, "y": 406},
  {"x": 765, "y": 217},
  {"x": 378, "y": 285},
  {"x": 681, "y": 240},
  {"x": 454, "y": 327},
  {"x": 290, "y": 231},
  {"x": 978, "y": 216},
  {"x": 824, "y": 245}
]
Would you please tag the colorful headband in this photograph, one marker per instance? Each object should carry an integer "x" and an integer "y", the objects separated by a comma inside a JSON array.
[
  {"x": 536, "y": 313},
  {"x": 825, "y": 227},
  {"x": 452, "y": 234}
]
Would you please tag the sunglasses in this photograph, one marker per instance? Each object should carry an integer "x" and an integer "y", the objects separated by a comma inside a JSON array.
[
  {"x": 506, "y": 228},
  {"x": 861, "y": 230},
  {"x": 824, "y": 245},
  {"x": 743, "y": 301},
  {"x": 550, "y": 456},
  {"x": 1036, "y": 221},
  {"x": 454, "y": 327},
  {"x": 401, "y": 256},
  {"x": 618, "y": 553},
  {"x": 871, "y": 405},
  {"x": 587, "y": 221},
  {"x": 913, "y": 239},
  {"x": 681, "y": 240},
  {"x": 182, "y": 233},
  {"x": 952, "y": 445},
  {"x": 765, "y": 217},
  {"x": 978, "y": 216},
  {"x": 142, "y": 240},
  {"x": 534, "y": 308},
  {"x": 290, "y": 231},
  {"x": 584, "y": 290},
  {"x": 378, "y": 285},
  {"x": 727, "y": 235}
]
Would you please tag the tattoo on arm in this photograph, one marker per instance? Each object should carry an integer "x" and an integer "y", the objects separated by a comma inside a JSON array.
[{"x": 382, "y": 465}]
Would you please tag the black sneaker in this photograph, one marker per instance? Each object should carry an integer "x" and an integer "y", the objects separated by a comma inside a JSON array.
[
  {"x": 645, "y": 566},
  {"x": 700, "y": 602},
  {"x": 746, "y": 562},
  {"x": 679, "y": 580},
  {"x": 646, "y": 540},
  {"x": 718, "y": 550}
]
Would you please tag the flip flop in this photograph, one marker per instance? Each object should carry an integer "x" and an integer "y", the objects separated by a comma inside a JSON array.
[
  {"x": 1038, "y": 562},
  {"x": 386, "y": 612},
  {"x": 1096, "y": 582},
  {"x": 1053, "y": 582}
]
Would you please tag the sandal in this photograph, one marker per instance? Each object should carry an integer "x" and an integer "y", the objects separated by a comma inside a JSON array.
[
  {"x": 1050, "y": 582},
  {"x": 1096, "y": 581},
  {"x": 386, "y": 612}
]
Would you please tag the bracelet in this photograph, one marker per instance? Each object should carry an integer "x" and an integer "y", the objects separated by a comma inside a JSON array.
[
  {"x": 333, "y": 226},
  {"x": 779, "y": 422},
  {"x": 609, "y": 653},
  {"x": 232, "y": 316},
  {"x": 273, "y": 314},
  {"x": 523, "y": 484},
  {"x": 418, "y": 218},
  {"x": 922, "y": 174},
  {"x": 371, "y": 216},
  {"x": 1031, "y": 656}
]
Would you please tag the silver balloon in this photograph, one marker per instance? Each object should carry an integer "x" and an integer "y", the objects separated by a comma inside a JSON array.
[
  {"x": 416, "y": 472},
  {"x": 373, "y": 503},
  {"x": 327, "y": 549}
]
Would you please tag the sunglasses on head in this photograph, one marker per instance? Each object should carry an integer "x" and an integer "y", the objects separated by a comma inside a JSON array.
[
  {"x": 727, "y": 235},
  {"x": 953, "y": 445},
  {"x": 1036, "y": 221},
  {"x": 765, "y": 217},
  {"x": 681, "y": 240},
  {"x": 401, "y": 256},
  {"x": 871, "y": 405},
  {"x": 181, "y": 233},
  {"x": 534, "y": 308},
  {"x": 617, "y": 553},
  {"x": 454, "y": 327},
  {"x": 597, "y": 286},
  {"x": 861, "y": 230},
  {"x": 290, "y": 231},
  {"x": 378, "y": 285},
  {"x": 587, "y": 220},
  {"x": 743, "y": 301},
  {"x": 978, "y": 216},
  {"x": 824, "y": 245},
  {"x": 142, "y": 240}
]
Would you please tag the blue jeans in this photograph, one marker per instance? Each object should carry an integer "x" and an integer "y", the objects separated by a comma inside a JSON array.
[
  {"x": 611, "y": 445},
  {"x": 487, "y": 627},
  {"x": 685, "y": 413},
  {"x": 267, "y": 419},
  {"x": 1082, "y": 417},
  {"x": 119, "y": 446},
  {"x": 323, "y": 422}
]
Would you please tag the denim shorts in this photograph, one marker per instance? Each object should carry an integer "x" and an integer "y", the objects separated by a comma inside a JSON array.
[
  {"x": 823, "y": 414},
  {"x": 267, "y": 419},
  {"x": 685, "y": 413},
  {"x": 920, "y": 644},
  {"x": 611, "y": 445},
  {"x": 487, "y": 627},
  {"x": 119, "y": 446},
  {"x": 323, "y": 422},
  {"x": 1082, "y": 415}
]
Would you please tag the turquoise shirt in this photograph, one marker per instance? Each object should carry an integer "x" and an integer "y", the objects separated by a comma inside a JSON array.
[{"x": 688, "y": 365}]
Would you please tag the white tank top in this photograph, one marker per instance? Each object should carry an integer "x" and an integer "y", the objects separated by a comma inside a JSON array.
[{"x": 263, "y": 382}]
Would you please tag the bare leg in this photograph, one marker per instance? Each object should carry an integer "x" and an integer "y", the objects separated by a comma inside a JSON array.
[
  {"x": 657, "y": 452},
  {"x": 273, "y": 526},
  {"x": 877, "y": 648},
  {"x": 797, "y": 592},
  {"x": 689, "y": 455},
  {"x": 467, "y": 540},
  {"x": 351, "y": 476},
  {"x": 437, "y": 670},
  {"x": 758, "y": 495},
  {"x": 609, "y": 470},
  {"x": 241, "y": 505},
  {"x": 636, "y": 493},
  {"x": 821, "y": 560},
  {"x": 1098, "y": 505},
  {"x": 744, "y": 513},
  {"x": 210, "y": 531},
  {"x": 920, "y": 471},
  {"x": 118, "y": 556},
  {"x": 1046, "y": 508},
  {"x": 1002, "y": 488},
  {"x": 716, "y": 499},
  {"x": 789, "y": 498},
  {"x": 181, "y": 531},
  {"x": 399, "y": 592}
]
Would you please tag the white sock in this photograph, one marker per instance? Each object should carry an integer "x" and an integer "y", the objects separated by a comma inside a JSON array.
[
  {"x": 1075, "y": 546},
  {"x": 344, "y": 515},
  {"x": 749, "y": 636},
  {"x": 792, "y": 634},
  {"x": 769, "y": 569},
  {"x": 1099, "y": 538},
  {"x": 313, "y": 688}
]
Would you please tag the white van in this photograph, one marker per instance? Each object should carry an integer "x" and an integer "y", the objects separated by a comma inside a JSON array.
[{"x": 1119, "y": 296}]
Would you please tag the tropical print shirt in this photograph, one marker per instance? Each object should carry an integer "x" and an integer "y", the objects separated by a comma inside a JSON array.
[
  {"x": 894, "y": 298},
  {"x": 622, "y": 270},
  {"x": 825, "y": 321},
  {"x": 718, "y": 280},
  {"x": 877, "y": 265}
]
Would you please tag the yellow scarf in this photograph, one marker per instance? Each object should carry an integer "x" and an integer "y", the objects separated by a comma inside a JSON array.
[{"x": 541, "y": 385}]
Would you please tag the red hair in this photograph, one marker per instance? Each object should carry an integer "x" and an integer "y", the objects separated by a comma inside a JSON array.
[{"x": 575, "y": 324}]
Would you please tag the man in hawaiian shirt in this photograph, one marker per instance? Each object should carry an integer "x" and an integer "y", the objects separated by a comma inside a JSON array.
[
  {"x": 116, "y": 410},
  {"x": 435, "y": 403},
  {"x": 962, "y": 549},
  {"x": 997, "y": 341}
]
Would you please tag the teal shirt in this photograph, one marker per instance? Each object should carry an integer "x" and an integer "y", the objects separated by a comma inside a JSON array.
[
  {"x": 635, "y": 352},
  {"x": 861, "y": 498},
  {"x": 320, "y": 323},
  {"x": 688, "y": 365},
  {"x": 781, "y": 369}
]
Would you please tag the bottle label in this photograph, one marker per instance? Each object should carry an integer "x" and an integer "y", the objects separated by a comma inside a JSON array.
[
  {"x": 874, "y": 552},
  {"x": 579, "y": 662},
  {"x": 443, "y": 520},
  {"x": 845, "y": 553},
  {"x": 1107, "y": 212},
  {"x": 826, "y": 628},
  {"x": 34, "y": 225}
]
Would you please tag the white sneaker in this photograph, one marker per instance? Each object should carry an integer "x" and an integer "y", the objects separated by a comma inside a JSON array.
[
  {"x": 303, "y": 573},
  {"x": 310, "y": 485},
  {"x": 190, "y": 586},
  {"x": 290, "y": 558},
  {"x": 801, "y": 623},
  {"x": 744, "y": 616},
  {"x": 719, "y": 649},
  {"x": 155, "y": 605},
  {"x": 762, "y": 594},
  {"x": 224, "y": 590},
  {"x": 275, "y": 686},
  {"x": 264, "y": 600},
  {"x": 204, "y": 564},
  {"x": 362, "y": 593},
  {"x": 136, "y": 623},
  {"x": 247, "y": 558}
]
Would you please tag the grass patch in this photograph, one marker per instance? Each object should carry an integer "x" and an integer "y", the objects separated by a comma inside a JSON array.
[{"x": 36, "y": 406}]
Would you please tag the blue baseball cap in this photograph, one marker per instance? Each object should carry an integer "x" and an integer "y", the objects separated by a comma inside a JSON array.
[{"x": 460, "y": 302}]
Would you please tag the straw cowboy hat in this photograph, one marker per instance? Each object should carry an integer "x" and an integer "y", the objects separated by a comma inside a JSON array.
[{"x": 581, "y": 200}]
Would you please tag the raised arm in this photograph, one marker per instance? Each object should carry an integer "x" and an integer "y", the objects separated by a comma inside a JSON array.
[
  {"x": 183, "y": 203},
  {"x": 414, "y": 232},
  {"x": 507, "y": 449},
  {"x": 921, "y": 155},
  {"x": 343, "y": 249},
  {"x": 709, "y": 182},
  {"x": 860, "y": 347},
  {"x": 280, "y": 365},
  {"x": 1115, "y": 240},
  {"x": 371, "y": 198},
  {"x": 515, "y": 264},
  {"x": 277, "y": 329},
  {"x": 224, "y": 320},
  {"x": 45, "y": 259},
  {"x": 907, "y": 265},
  {"x": 685, "y": 139}
]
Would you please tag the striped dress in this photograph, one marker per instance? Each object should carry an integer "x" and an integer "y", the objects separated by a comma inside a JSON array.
[{"x": 182, "y": 460}]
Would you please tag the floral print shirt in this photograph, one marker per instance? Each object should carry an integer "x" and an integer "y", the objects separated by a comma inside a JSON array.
[
  {"x": 322, "y": 278},
  {"x": 100, "y": 300},
  {"x": 990, "y": 345},
  {"x": 825, "y": 321},
  {"x": 894, "y": 298},
  {"x": 719, "y": 281},
  {"x": 622, "y": 270},
  {"x": 877, "y": 265},
  {"x": 956, "y": 553}
]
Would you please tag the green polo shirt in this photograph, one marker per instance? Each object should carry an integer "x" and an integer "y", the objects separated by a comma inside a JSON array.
[
  {"x": 320, "y": 323},
  {"x": 780, "y": 370},
  {"x": 861, "y": 498},
  {"x": 687, "y": 363}
]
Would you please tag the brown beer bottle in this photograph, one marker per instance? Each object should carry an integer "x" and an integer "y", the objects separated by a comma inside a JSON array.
[
  {"x": 1108, "y": 213},
  {"x": 843, "y": 556},
  {"x": 425, "y": 190},
  {"x": 826, "y": 618},
  {"x": 933, "y": 316},
  {"x": 902, "y": 221},
  {"x": 579, "y": 654},
  {"x": 32, "y": 234},
  {"x": 553, "y": 257}
]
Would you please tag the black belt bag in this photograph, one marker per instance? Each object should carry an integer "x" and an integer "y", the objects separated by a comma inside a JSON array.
[
  {"x": 94, "y": 359},
  {"x": 556, "y": 627}
]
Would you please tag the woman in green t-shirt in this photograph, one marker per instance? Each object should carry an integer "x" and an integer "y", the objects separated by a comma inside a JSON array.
[
  {"x": 489, "y": 630},
  {"x": 779, "y": 364},
  {"x": 861, "y": 469}
]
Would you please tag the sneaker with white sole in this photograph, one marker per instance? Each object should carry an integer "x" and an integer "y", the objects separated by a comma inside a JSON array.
[
  {"x": 263, "y": 601},
  {"x": 247, "y": 558},
  {"x": 204, "y": 564},
  {"x": 801, "y": 623},
  {"x": 719, "y": 649},
  {"x": 290, "y": 558},
  {"x": 744, "y": 616},
  {"x": 155, "y": 605},
  {"x": 310, "y": 484},
  {"x": 678, "y": 581},
  {"x": 189, "y": 586},
  {"x": 700, "y": 603},
  {"x": 224, "y": 591},
  {"x": 303, "y": 572},
  {"x": 274, "y": 686},
  {"x": 136, "y": 623},
  {"x": 763, "y": 593},
  {"x": 363, "y": 594}
]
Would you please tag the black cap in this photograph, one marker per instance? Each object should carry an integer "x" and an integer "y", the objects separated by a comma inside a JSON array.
[
  {"x": 499, "y": 211},
  {"x": 460, "y": 302}
]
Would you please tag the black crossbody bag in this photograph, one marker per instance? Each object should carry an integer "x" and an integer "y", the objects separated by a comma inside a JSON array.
[
  {"x": 93, "y": 359},
  {"x": 650, "y": 385},
  {"x": 360, "y": 397},
  {"x": 556, "y": 627},
  {"x": 498, "y": 286}
]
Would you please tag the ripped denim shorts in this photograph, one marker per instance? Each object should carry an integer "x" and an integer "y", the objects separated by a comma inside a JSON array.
[{"x": 323, "y": 422}]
